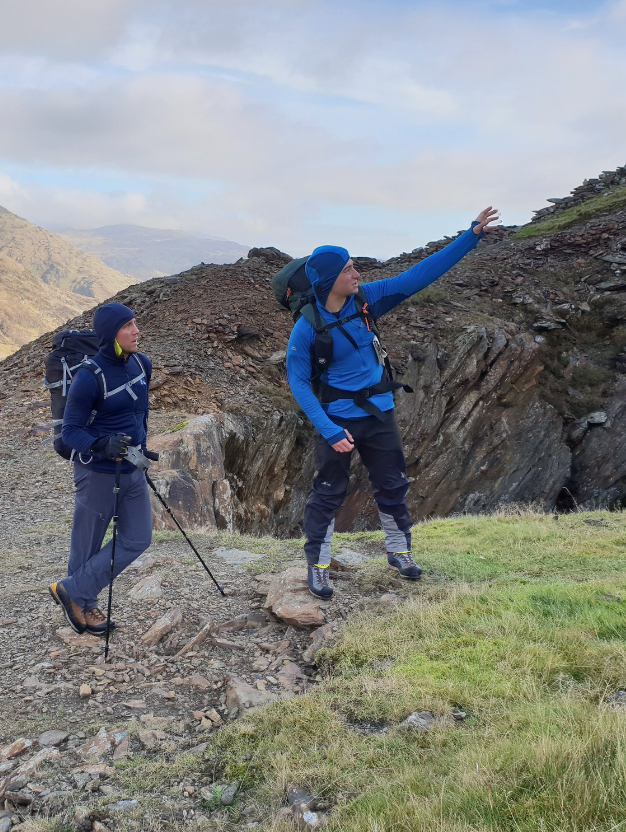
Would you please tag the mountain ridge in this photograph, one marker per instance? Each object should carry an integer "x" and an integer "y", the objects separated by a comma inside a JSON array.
[
  {"x": 148, "y": 252},
  {"x": 44, "y": 280}
]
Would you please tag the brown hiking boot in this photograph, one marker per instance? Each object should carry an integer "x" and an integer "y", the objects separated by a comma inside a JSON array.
[
  {"x": 72, "y": 612},
  {"x": 96, "y": 622}
]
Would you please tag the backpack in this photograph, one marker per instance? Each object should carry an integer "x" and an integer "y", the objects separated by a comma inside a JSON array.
[
  {"x": 72, "y": 349},
  {"x": 292, "y": 289}
]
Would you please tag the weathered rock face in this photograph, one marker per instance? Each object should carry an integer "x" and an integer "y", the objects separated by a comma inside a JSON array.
[
  {"x": 476, "y": 433},
  {"x": 226, "y": 472},
  {"x": 599, "y": 461}
]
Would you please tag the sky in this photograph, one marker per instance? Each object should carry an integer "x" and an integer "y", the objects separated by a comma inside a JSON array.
[{"x": 378, "y": 126}]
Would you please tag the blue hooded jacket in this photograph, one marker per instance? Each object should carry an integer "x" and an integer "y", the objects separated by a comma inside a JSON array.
[
  {"x": 356, "y": 369},
  {"x": 117, "y": 413}
]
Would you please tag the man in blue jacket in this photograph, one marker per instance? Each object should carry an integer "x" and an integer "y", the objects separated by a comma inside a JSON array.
[
  {"x": 356, "y": 407},
  {"x": 106, "y": 412}
]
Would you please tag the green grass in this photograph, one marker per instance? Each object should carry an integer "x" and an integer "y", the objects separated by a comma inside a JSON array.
[
  {"x": 527, "y": 636},
  {"x": 612, "y": 200}
]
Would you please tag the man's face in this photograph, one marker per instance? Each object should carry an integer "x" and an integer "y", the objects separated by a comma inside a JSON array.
[
  {"x": 348, "y": 281},
  {"x": 128, "y": 336}
]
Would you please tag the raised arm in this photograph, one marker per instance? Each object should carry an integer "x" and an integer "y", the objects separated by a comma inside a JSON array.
[{"x": 384, "y": 295}]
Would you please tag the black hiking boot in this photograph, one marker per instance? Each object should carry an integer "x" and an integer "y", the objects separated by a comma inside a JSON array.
[
  {"x": 96, "y": 622},
  {"x": 319, "y": 583},
  {"x": 403, "y": 563},
  {"x": 72, "y": 612}
]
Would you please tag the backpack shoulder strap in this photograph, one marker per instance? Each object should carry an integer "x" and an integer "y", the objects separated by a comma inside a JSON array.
[
  {"x": 311, "y": 313},
  {"x": 142, "y": 369},
  {"x": 94, "y": 368}
]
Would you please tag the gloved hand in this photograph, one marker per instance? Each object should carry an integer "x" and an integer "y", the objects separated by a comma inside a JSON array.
[{"x": 114, "y": 446}]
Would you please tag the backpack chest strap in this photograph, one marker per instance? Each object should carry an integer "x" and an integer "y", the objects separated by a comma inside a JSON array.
[{"x": 128, "y": 386}]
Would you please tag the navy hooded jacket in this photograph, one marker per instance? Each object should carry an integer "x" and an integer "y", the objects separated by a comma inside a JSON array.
[
  {"x": 356, "y": 369},
  {"x": 118, "y": 413}
]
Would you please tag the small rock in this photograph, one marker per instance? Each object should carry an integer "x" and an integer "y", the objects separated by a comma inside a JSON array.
[
  {"x": 200, "y": 682},
  {"x": 96, "y": 747},
  {"x": 147, "y": 589},
  {"x": 390, "y": 598},
  {"x": 15, "y": 749},
  {"x": 240, "y": 695},
  {"x": 290, "y": 676},
  {"x": 419, "y": 721},
  {"x": 121, "y": 807},
  {"x": 597, "y": 418},
  {"x": 52, "y": 738},
  {"x": 346, "y": 558},
  {"x": 84, "y": 691},
  {"x": 228, "y": 795},
  {"x": 162, "y": 627},
  {"x": 289, "y": 599}
]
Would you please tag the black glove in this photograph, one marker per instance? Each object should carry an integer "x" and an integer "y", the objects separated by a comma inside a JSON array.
[{"x": 112, "y": 447}]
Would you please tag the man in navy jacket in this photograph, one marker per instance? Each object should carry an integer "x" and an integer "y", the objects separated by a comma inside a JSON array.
[
  {"x": 106, "y": 412},
  {"x": 342, "y": 424}
]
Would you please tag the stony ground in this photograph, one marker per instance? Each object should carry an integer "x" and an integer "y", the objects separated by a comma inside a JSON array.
[{"x": 159, "y": 695}]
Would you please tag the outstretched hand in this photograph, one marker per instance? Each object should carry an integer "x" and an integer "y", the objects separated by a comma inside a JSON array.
[{"x": 486, "y": 220}]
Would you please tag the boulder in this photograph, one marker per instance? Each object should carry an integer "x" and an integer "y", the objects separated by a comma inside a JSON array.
[{"x": 289, "y": 599}]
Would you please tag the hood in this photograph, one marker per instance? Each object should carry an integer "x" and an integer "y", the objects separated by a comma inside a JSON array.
[
  {"x": 107, "y": 322},
  {"x": 323, "y": 268}
]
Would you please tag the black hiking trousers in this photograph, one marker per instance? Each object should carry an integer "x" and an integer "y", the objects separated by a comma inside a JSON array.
[{"x": 380, "y": 447}]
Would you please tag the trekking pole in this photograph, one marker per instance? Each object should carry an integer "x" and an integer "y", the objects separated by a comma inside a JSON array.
[
  {"x": 169, "y": 511},
  {"x": 116, "y": 491}
]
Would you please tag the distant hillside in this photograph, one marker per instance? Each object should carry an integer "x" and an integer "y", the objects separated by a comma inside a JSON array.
[
  {"x": 29, "y": 307},
  {"x": 44, "y": 281},
  {"x": 152, "y": 252}
]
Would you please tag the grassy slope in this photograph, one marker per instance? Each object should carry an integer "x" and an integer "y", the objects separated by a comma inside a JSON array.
[
  {"x": 520, "y": 622},
  {"x": 527, "y": 637},
  {"x": 612, "y": 200}
]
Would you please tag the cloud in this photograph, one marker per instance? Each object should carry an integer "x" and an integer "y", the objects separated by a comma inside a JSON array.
[
  {"x": 280, "y": 115},
  {"x": 64, "y": 29}
]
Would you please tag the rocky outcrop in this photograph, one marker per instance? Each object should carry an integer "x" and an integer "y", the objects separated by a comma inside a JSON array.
[
  {"x": 589, "y": 189},
  {"x": 476, "y": 432},
  {"x": 227, "y": 472},
  {"x": 476, "y": 435},
  {"x": 599, "y": 460}
]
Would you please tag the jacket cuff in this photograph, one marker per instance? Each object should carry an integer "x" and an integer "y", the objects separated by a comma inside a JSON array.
[{"x": 336, "y": 437}]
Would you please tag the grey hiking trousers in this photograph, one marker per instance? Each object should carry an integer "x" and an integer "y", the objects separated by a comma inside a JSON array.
[{"x": 89, "y": 567}]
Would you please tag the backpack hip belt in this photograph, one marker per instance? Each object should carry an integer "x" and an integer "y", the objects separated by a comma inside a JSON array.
[{"x": 328, "y": 394}]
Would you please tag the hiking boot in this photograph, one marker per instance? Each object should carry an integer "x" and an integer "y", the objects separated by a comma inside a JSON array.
[
  {"x": 72, "y": 612},
  {"x": 319, "y": 583},
  {"x": 96, "y": 622},
  {"x": 403, "y": 563}
]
